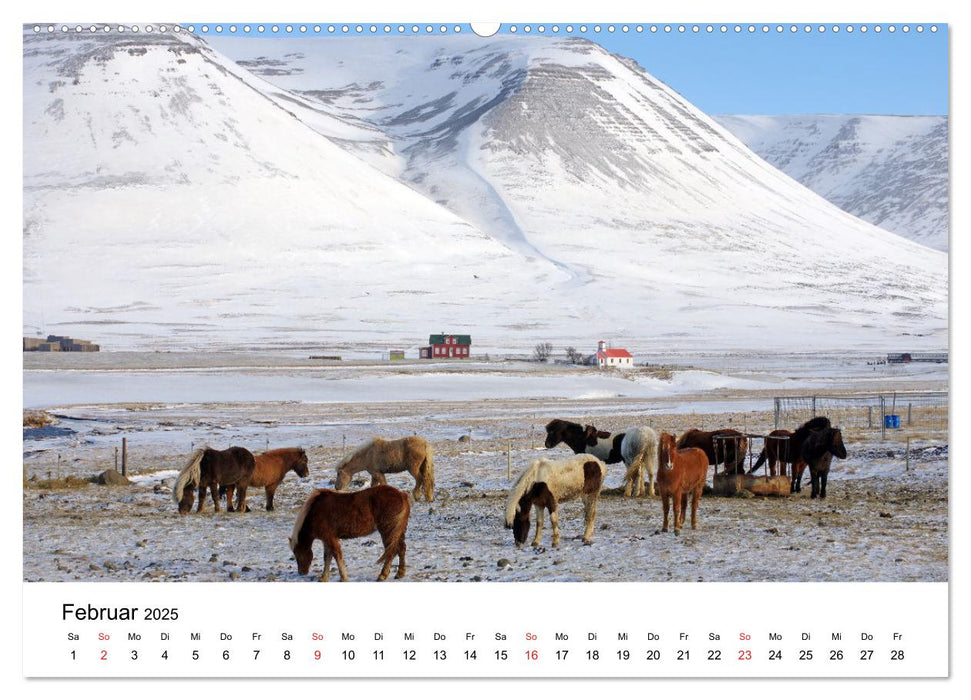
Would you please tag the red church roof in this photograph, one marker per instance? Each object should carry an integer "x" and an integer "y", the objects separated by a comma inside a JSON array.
[{"x": 614, "y": 352}]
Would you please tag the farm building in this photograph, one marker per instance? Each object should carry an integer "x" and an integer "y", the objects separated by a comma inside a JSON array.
[
  {"x": 444, "y": 345},
  {"x": 612, "y": 357},
  {"x": 59, "y": 343},
  {"x": 895, "y": 358}
]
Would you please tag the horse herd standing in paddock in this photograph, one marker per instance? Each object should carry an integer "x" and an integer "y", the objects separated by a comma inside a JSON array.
[{"x": 656, "y": 464}]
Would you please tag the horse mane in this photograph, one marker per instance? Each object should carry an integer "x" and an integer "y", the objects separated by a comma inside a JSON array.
[
  {"x": 523, "y": 483},
  {"x": 351, "y": 455},
  {"x": 191, "y": 473},
  {"x": 304, "y": 510},
  {"x": 816, "y": 423}
]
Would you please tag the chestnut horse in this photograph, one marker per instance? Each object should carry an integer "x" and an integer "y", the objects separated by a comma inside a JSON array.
[
  {"x": 209, "y": 468},
  {"x": 545, "y": 484},
  {"x": 731, "y": 450},
  {"x": 788, "y": 451},
  {"x": 272, "y": 467},
  {"x": 330, "y": 516},
  {"x": 636, "y": 448},
  {"x": 681, "y": 471},
  {"x": 817, "y": 453},
  {"x": 379, "y": 457}
]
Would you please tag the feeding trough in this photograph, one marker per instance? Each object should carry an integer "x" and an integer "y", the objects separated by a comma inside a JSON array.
[{"x": 765, "y": 484}]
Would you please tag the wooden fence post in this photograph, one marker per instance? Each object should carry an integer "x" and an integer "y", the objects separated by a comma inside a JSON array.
[{"x": 124, "y": 456}]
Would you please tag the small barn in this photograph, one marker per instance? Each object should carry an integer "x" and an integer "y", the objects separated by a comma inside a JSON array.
[
  {"x": 445, "y": 345},
  {"x": 612, "y": 357}
]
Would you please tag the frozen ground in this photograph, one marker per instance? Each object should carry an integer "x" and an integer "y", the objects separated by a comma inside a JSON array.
[{"x": 878, "y": 523}]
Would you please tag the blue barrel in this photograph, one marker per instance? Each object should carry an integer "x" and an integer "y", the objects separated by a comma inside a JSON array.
[{"x": 891, "y": 420}]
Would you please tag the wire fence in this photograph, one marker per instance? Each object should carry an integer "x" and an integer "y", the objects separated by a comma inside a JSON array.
[{"x": 893, "y": 416}]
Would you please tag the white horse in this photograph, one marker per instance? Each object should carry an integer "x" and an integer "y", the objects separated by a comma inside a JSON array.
[
  {"x": 545, "y": 484},
  {"x": 636, "y": 447}
]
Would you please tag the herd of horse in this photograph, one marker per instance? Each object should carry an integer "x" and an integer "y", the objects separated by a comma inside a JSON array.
[{"x": 672, "y": 468}]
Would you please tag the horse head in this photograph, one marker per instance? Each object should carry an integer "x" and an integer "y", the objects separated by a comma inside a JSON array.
[
  {"x": 188, "y": 497},
  {"x": 573, "y": 435},
  {"x": 301, "y": 465},
  {"x": 836, "y": 444},
  {"x": 668, "y": 447},
  {"x": 520, "y": 524}
]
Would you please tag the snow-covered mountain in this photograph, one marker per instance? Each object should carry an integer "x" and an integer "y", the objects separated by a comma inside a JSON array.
[
  {"x": 376, "y": 190},
  {"x": 889, "y": 170}
]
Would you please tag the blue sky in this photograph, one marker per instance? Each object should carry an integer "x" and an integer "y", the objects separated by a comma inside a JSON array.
[{"x": 791, "y": 73}]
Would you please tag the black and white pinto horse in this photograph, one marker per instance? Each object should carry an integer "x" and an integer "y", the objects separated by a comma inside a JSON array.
[
  {"x": 636, "y": 448},
  {"x": 817, "y": 452},
  {"x": 545, "y": 484}
]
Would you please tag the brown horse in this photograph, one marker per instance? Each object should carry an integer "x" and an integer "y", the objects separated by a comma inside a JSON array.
[
  {"x": 208, "y": 469},
  {"x": 680, "y": 472},
  {"x": 788, "y": 451},
  {"x": 818, "y": 452},
  {"x": 272, "y": 467},
  {"x": 729, "y": 449},
  {"x": 379, "y": 457},
  {"x": 330, "y": 517}
]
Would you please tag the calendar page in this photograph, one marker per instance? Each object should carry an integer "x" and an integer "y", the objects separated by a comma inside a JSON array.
[{"x": 421, "y": 348}]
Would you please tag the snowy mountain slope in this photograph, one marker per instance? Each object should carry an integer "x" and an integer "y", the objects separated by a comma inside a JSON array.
[
  {"x": 168, "y": 201},
  {"x": 559, "y": 147},
  {"x": 372, "y": 191},
  {"x": 889, "y": 170}
]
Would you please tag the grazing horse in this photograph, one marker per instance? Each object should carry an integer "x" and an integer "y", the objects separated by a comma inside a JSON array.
[
  {"x": 209, "y": 468},
  {"x": 636, "y": 448},
  {"x": 330, "y": 516},
  {"x": 731, "y": 451},
  {"x": 272, "y": 467},
  {"x": 379, "y": 457},
  {"x": 817, "y": 452},
  {"x": 546, "y": 484},
  {"x": 788, "y": 451},
  {"x": 682, "y": 471}
]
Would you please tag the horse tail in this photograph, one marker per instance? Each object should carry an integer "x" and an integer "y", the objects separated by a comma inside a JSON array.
[
  {"x": 426, "y": 472},
  {"x": 304, "y": 511},
  {"x": 519, "y": 489},
  {"x": 191, "y": 474},
  {"x": 398, "y": 529}
]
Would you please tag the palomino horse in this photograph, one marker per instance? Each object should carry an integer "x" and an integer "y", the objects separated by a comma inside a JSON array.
[
  {"x": 817, "y": 452},
  {"x": 788, "y": 451},
  {"x": 545, "y": 484},
  {"x": 209, "y": 468},
  {"x": 682, "y": 471},
  {"x": 379, "y": 457},
  {"x": 636, "y": 448},
  {"x": 730, "y": 448},
  {"x": 331, "y": 517},
  {"x": 272, "y": 466}
]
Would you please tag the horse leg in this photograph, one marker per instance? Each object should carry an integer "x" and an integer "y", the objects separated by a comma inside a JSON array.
[
  {"x": 822, "y": 485},
  {"x": 684, "y": 507},
  {"x": 202, "y": 498},
  {"x": 695, "y": 496},
  {"x": 539, "y": 526},
  {"x": 416, "y": 492},
  {"x": 377, "y": 479},
  {"x": 814, "y": 480},
  {"x": 589, "y": 516},
  {"x": 270, "y": 490},
  {"x": 676, "y": 497},
  {"x": 230, "y": 489},
  {"x": 401, "y": 560},
  {"x": 339, "y": 556},
  {"x": 328, "y": 557},
  {"x": 385, "y": 540},
  {"x": 555, "y": 522},
  {"x": 242, "y": 499},
  {"x": 666, "y": 502}
]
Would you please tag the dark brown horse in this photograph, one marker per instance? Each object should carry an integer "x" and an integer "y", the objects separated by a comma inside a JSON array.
[
  {"x": 788, "y": 451},
  {"x": 272, "y": 467},
  {"x": 817, "y": 453},
  {"x": 680, "y": 472},
  {"x": 331, "y": 516},
  {"x": 729, "y": 448},
  {"x": 209, "y": 469}
]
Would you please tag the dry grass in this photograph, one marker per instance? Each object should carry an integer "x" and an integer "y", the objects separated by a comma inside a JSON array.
[
  {"x": 65, "y": 483},
  {"x": 37, "y": 419}
]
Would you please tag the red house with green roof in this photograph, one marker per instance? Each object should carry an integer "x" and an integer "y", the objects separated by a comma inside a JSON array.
[{"x": 444, "y": 346}]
